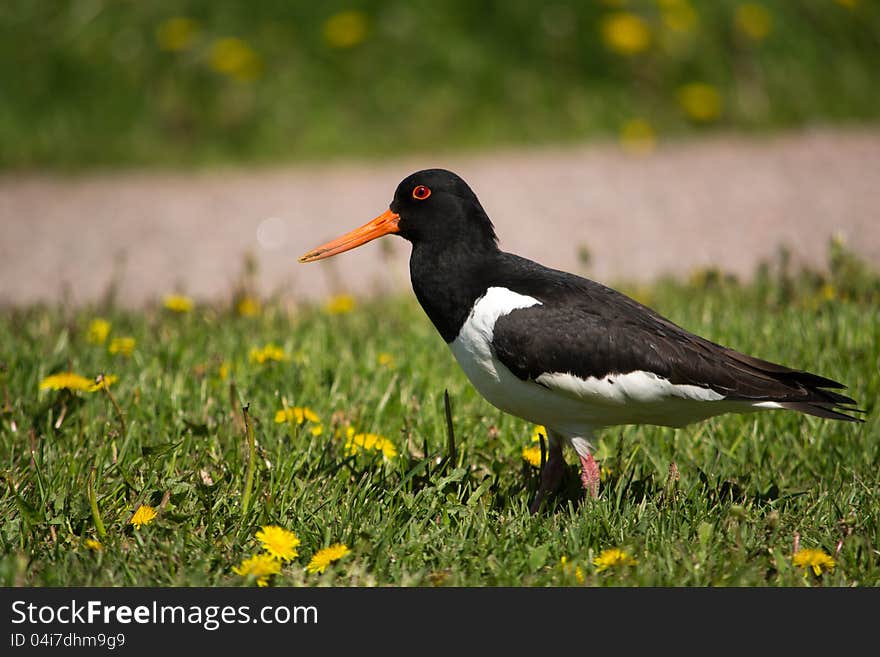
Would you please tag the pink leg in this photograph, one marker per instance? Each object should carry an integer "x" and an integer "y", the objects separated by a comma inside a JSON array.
[
  {"x": 590, "y": 475},
  {"x": 551, "y": 475}
]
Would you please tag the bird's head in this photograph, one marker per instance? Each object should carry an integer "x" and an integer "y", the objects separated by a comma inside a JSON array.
[{"x": 433, "y": 206}]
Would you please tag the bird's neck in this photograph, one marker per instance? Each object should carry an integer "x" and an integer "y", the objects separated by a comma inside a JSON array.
[{"x": 447, "y": 281}]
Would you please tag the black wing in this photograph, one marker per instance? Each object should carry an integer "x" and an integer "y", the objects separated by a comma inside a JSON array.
[{"x": 589, "y": 330}]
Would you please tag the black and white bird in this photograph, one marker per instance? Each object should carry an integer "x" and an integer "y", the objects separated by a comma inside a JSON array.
[{"x": 563, "y": 351}]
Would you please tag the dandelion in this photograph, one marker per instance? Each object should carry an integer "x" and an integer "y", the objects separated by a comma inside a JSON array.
[
  {"x": 122, "y": 346},
  {"x": 143, "y": 516},
  {"x": 233, "y": 57},
  {"x": 701, "y": 102},
  {"x": 625, "y": 33},
  {"x": 612, "y": 558},
  {"x": 177, "y": 303},
  {"x": 355, "y": 442},
  {"x": 386, "y": 360},
  {"x": 538, "y": 431},
  {"x": 73, "y": 381},
  {"x": 299, "y": 415},
  {"x": 66, "y": 381},
  {"x": 325, "y": 557},
  {"x": 828, "y": 292},
  {"x": 346, "y": 29},
  {"x": 177, "y": 34},
  {"x": 278, "y": 542},
  {"x": 248, "y": 306},
  {"x": 532, "y": 455},
  {"x": 817, "y": 560},
  {"x": 753, "y": 20},
  {"x": 638, "y": 137},
  {"x": 223, "y": 371},
  {"x": 261, "y": 566},
  {"x": 99, "y": 329},
  {"x": 93, "y": 544},
  {"x": 269, "y": 352},
  {"x": 339, "y": 304}
]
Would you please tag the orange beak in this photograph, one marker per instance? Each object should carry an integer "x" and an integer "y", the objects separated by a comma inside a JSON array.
[{"x": 384, "y": 224}]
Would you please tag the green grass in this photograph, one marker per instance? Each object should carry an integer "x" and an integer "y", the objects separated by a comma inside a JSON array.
[
  {"x": 748, "y": 484},
  {"x": 88, "y": 84}
]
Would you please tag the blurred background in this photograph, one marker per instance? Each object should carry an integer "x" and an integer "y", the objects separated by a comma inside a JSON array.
[{"x": 160, "y": 145}]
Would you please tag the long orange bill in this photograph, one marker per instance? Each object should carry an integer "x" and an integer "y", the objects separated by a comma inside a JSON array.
[{"x": 384, "y": 224}]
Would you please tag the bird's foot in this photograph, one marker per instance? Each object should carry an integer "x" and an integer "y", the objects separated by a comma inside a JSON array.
[
  {"x": 551, "y": 476},
  {"x": 590, "y": 475}
]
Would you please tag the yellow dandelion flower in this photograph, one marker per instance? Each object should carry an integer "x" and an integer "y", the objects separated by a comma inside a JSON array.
[
  {"x": 178, "y": 303},
  {"x": 260, "y": 566},
  {"x": 611, "y": 558},
  {"x": 817, "y": 560},
  {"x": 93, "y": 544},
  {"x": 625, "y": 33},
  {"x": 538, "y": 431},
  {"x": 828, "y": 292},
  {"x": 106, "y": 381},
  {"x": 325, "y": 557},
  {"x": 355, "y": 442},
  {"x": 296, "y": 414},
  {"x": 66, "y": 380},
  {"x": 223, "y": 371},
  {"x": 278, "y": 542},
  {"x": 386, "y": 360},
  {"x": 270, "y": 352},
  {"x": 532, "y": 455},
  {"x": 299, "y": 415},
  {"x": 753, "y": 20},
  {"x": 233, "y": 57},
  {"x": 346, "y": 29},
  {"x": 248, "y": 307},
  {"x": 122, "y": 346},
  {"x": 638, "y": 137},
  {"x": 701, "y": 102},
  {"x": 177, "y": 34},
  {"x": 99, "y": 329},
  {"x": 339, "y": 304},
  {"x": 143, "y": 516}
]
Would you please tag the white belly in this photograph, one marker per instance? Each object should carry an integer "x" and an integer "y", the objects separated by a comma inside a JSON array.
[{"x": 571, "y": 405}]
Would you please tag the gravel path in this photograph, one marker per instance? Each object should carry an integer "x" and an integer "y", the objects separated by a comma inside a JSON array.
[{"x": 727, "y": 202}]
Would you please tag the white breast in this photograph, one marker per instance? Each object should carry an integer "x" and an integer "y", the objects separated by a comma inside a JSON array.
[{"x": 472, "y": 349}]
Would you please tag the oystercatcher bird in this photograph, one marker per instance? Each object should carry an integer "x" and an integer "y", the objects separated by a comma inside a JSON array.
[{"x": 563, "y": 351}]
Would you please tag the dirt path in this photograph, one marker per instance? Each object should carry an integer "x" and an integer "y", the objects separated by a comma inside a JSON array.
[{"x": 726, "y": 202}]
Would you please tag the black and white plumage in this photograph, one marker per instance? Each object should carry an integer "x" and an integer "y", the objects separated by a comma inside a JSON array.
[{"x": 561, "y": 350}]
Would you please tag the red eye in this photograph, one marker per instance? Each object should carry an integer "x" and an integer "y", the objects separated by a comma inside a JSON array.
[{"x": 420, "y": 193}]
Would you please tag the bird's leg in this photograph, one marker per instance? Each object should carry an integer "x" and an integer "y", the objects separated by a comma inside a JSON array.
[
  {"x": 590, "y": 475},
  {"x": 589, "y": 467},
  {"x": 551, "y": 475}
]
